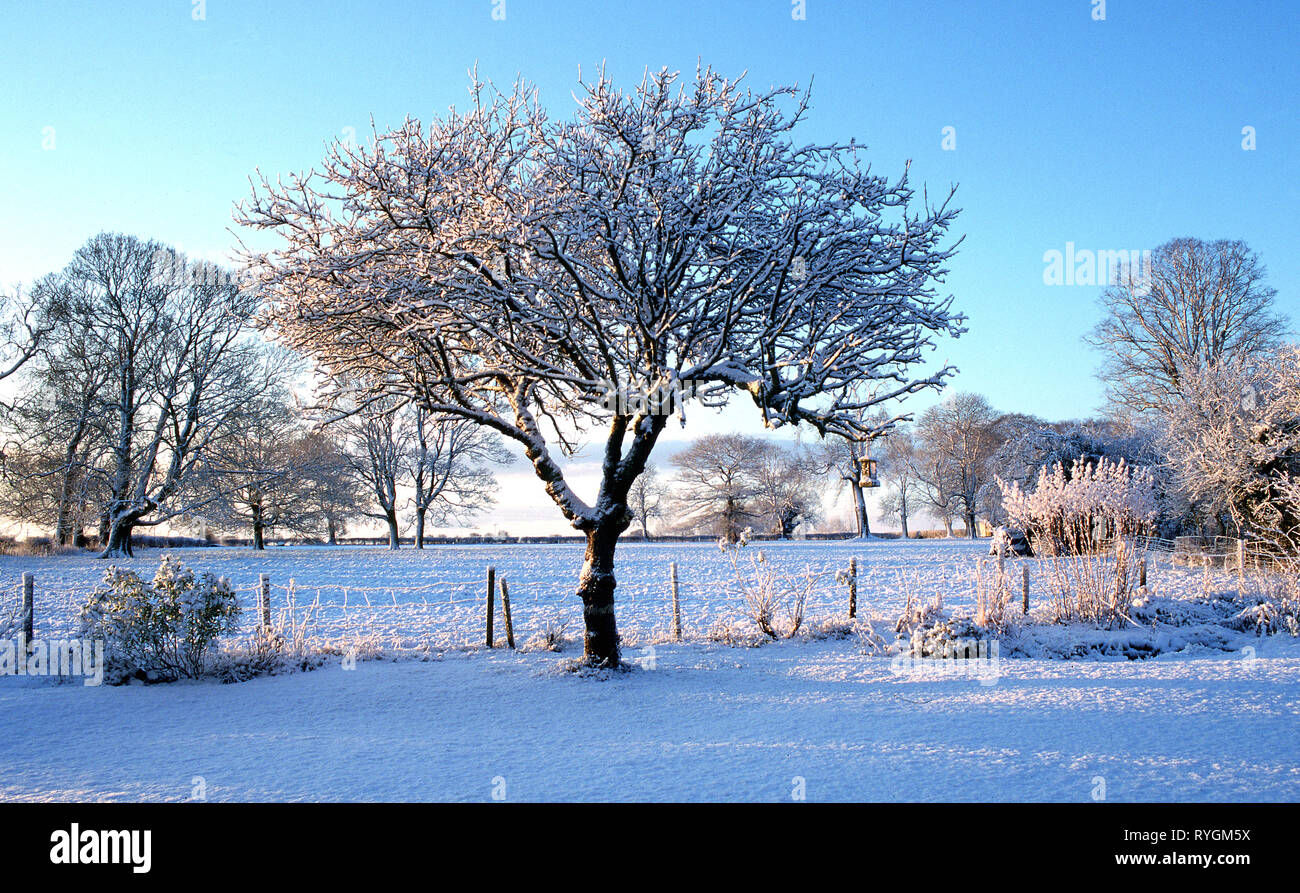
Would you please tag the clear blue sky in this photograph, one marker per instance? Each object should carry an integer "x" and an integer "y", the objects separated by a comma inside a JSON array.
[{"x": 1115, "y": 134}]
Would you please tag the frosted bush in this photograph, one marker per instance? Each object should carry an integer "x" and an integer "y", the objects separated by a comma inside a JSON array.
[
  {"x": 1068, "y": 510},
  {"x": 162, "y": 630}
]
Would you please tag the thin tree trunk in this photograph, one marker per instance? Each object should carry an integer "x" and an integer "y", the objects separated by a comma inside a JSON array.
[
  {"x": 419, "y": 528},
  {"x": 596, "y": 589}
]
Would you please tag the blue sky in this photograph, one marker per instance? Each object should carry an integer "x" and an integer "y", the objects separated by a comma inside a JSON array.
[{"x": 1115, "y": 134}]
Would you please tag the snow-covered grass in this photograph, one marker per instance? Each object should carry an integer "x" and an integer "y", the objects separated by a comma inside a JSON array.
[
  {"x": 1210, "y": 713},
  {"x": 435, "y": 597},
  {"x": 708, "y": 722}
]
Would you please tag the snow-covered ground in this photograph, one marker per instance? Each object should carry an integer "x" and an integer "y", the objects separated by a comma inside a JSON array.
[{"x": 694, "y": 721}]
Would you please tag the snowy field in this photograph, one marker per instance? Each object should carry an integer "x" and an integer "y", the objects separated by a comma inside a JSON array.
[
  {"x": 435, "y": 597},
  {"x": 700, "y": 720}
]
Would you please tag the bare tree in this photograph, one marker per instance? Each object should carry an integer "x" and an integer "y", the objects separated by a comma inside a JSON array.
[
  {"x": 512, "y": 269},
  {"x": 788, "y": 487},
  {"x": 715, "y": 488},
  {"x": 26, "y": 318},
  {"x": 451, "y": 469},
  {"x": 258, "y": 472},
  {"x": 645, "y": 498},
  {"x": 380, "y": 436},
  {"x": 161, "y": 347},
  {"x": 332, "y": 494},
  {"x": 1196, "y": 305},
  {"x": 898, "y": 471},
  {"x": 958, "y": 439}
]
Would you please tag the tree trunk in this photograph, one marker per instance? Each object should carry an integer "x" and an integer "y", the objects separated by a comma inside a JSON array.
[
  {"x": 258, "y": 539},
  {"x": 860, "y": 510},
  {"x": 419, "y": 528},
  {"x": 331, "y": 532},
  {"x": 902, "y": 516},
  {"x": 596, "y": 589},
  {"x": 970, "y": 525},
  {"x": 119, "y": 537},
  {"x": 394, "y": 540}
]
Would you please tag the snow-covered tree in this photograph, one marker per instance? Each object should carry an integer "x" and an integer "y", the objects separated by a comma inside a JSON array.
[
  {"x": 898, "y": 474},
  {"x": 379, "y": 438},
  {"x": 958, "y": 439},
  {"x": 715, "y": 489},
  {"x": 514, "y": 270},
  {"x": 1234, "y": 441}
]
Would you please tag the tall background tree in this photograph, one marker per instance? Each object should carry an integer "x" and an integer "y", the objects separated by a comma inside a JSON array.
[
  {"x": 510, "y": 268},
  {"x": 1194, "y": 305},
  {"x": 898, "y": 475},
  {"x": 645, "y": 498},
  {"x": 139, "y": 373},
  {"x": 959, "y": 438},
  {"x": 451, "y": 469}
]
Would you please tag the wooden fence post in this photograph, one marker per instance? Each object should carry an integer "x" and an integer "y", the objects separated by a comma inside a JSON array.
[
  {"x": 853, "y": 588},
  {"x": 28, "y": 610},
  {"x": 677, "y": 604},
  {"x": 1024, "y": 587},
  {"x": 264, "y": 600},
  {"x": 491, "y": 603},
  {"x": 505, "y": 607},
  {"x": 1142, "y": 574}
]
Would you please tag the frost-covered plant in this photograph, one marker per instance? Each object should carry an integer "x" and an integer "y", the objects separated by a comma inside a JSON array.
[
  {"x": 1274, "y": 606},
  {"x": 1096, "y": 588},
  {"x": 1233, "y": 442},
  {"x": 774, "y": 600},
  {"x": 550, "y": 637},
  {"x": 1070, "y": 507},
  {"x": 161, "y": 630},
  {"x": 992, "y": 595}
]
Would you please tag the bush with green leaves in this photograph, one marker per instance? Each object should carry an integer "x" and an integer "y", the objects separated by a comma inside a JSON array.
[{"x": 159, "y": 631}]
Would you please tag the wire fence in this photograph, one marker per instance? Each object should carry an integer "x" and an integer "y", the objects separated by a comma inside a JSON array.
[{"x": 453, "y": 613}]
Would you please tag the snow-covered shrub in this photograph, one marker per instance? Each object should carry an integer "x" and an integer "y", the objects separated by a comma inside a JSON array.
[
  {"x": 992, "y": 595},
  {"x": 158, "y": 631},
  {"x": 869, "y": 641},
  {"x": 774, "y": 600},
  {"x": 1070, "y": 510},
  {"x": 1274, "y": 607},
  {"x": 730, "y": 631},
  {"x": 1096, "y": 588}
]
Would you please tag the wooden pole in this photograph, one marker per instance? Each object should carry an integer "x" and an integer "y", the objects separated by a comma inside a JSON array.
[
  {"x": 28, "y": 610},
  {"x": 1142, "y": 574},
  {"x": 1024, "y": 587},
  {"x": 505, "y": 607},
  {"x": 264, "y": 600},
  {"x": 491, "y": 603},
  {"x": 677, "y": 604},
  {"x": 1241, "y": 561},
  {"x": 853, "y": 588}
]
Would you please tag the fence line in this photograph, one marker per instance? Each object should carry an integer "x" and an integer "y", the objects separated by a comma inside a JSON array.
[{"x": 453, "y": 610}]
